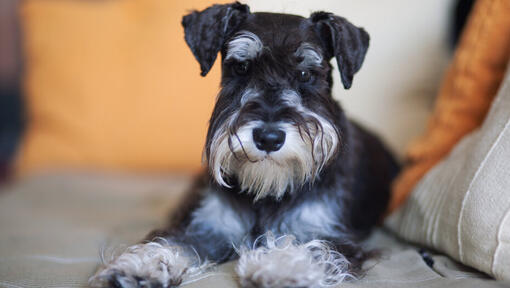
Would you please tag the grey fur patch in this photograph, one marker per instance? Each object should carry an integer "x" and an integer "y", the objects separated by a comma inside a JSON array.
[
  {"x": 216, "y": 212},
  {"x": 310, "y": 220},
  {"x": 245, "y": 46},
  {"x": 311, "y": 56}
]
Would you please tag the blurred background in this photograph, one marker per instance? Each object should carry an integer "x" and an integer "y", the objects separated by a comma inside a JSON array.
[{"x": 111, "y": 86}]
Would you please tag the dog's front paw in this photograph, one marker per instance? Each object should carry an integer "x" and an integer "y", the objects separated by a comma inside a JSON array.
[
  {"x": 283, "y": 262},
  {"x": 144, "y": 265},
  {"x": 119, "y": 279}
]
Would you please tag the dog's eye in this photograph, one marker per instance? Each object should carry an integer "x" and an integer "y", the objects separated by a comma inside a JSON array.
[
  {"x": 242, "y": 68},
  {"x": 304, "y": 76}
]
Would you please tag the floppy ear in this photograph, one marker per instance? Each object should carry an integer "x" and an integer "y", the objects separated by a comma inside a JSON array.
[
  {"x": 205, "y": 32},
  {"x": 343, "y": 40}
]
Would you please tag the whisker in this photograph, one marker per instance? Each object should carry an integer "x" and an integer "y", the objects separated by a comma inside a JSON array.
[{"x": 242, "y": 148}]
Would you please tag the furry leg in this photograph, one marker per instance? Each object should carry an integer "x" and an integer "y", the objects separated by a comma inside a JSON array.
[
  {"x": 283, "y": 262},
  {"x": 153, "y": 264}
]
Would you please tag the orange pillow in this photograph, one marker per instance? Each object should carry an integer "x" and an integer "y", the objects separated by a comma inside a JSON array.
[
  {"x": 470, "y": 85},
  {"x": 111, "y": 85}
]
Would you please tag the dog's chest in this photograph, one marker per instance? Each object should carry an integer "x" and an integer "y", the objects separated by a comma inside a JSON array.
[{"x": 307, "y": 220}]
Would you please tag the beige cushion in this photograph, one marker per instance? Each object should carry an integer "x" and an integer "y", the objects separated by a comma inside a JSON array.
[
  {"x": 462, "y": 206},
  {"x": 53, "y": 227}
]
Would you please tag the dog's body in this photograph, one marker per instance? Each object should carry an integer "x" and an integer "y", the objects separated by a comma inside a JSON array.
[{"x": 282, "y": 156}]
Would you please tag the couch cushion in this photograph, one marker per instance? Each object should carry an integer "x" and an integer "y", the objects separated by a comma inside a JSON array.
[
  {"x": 112, "y": 85},
  {"x": 462, "y": 206},
  {"x": 54, "y": 226},
  {"x": 467, "y": 91}
]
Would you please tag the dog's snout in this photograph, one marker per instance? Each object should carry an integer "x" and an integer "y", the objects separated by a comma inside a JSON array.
[{"x": 268, "y": 139}]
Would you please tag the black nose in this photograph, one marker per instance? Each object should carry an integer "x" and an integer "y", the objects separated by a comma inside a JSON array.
[{"x": 268, "y": 139}]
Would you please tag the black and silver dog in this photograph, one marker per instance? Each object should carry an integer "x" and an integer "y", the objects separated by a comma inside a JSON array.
[{"x": 282, "y": 159}]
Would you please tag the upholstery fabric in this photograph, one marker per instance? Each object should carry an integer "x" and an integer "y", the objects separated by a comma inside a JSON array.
[
  {"x": 462, "y": 206},
  {"x": 55, "y": 226},
  {"x": 466, "y": 93}
]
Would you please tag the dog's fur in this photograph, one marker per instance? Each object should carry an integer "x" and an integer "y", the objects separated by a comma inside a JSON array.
[{"x": 329, "y": 181}]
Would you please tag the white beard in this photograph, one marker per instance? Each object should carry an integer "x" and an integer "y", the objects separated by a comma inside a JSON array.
[{"x": 299, "y": 160}]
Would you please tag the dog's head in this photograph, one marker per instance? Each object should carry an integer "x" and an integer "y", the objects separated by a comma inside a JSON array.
[{"x": 275, "y": 124}]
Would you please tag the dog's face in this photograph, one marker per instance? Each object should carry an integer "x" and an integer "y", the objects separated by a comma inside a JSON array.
[{"x": 275, "y": 124}]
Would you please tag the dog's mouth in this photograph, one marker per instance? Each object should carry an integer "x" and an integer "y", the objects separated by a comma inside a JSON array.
[
  {"x": 265, "y": 157},
  {"x": 269, "y": 157}
]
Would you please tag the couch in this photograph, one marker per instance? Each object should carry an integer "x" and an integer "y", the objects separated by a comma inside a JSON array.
[{"x": 55, "y": 227}]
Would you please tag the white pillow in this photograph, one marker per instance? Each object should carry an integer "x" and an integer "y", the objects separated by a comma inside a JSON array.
[
  {"x": 462, "y": 206},
  {"x": 394, "y": 91}
]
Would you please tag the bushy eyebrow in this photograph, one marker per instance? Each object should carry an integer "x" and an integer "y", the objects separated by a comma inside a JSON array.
[
  {"x": 310, "y": 55},
  {"x": 244, "y": 46}
]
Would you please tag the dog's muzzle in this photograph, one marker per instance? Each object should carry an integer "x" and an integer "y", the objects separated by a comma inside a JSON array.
[{"x": 270, "y": 158}]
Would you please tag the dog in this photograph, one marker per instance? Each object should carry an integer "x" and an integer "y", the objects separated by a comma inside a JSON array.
[{"x": 292, "y": 185}]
